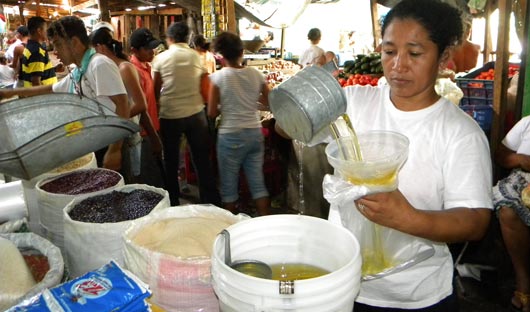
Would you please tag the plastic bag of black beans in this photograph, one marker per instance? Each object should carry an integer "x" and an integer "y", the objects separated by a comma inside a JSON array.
[
  {"x": 94, "y": 226},
  {"x": 53, "y": 194}
]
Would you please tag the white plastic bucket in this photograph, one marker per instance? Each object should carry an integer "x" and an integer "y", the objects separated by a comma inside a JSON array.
[
  {"x": 307, "y": 103},
  {"x": 288, "y": 239}
]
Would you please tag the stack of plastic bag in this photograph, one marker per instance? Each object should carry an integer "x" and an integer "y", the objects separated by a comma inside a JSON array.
[{"x": 109, "y": 288}]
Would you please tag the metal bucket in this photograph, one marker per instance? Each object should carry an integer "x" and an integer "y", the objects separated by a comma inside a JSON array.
[
  {"x": 307, "y": 102},
  {"x": 41, "y": 133}
]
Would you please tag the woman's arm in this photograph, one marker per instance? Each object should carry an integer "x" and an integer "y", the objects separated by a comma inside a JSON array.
[
  {"x": 25, "y": 92},
  {"x": 213, "y": 101},
  {"x": 509, "y": 159},
  {"x": 130, "y": 78}
]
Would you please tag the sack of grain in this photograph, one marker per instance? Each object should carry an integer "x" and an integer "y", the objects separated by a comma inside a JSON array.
[
  {"x": 30, "y": 193},
  {"x": 170, "y": 250},
  {"x": 27, "y": 241},
  {"x": 53, "y": 194},
  {"x": 94, "y": 225}
]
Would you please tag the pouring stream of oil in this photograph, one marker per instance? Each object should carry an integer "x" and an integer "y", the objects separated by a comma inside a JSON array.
[{"x": 373, "y": 254}]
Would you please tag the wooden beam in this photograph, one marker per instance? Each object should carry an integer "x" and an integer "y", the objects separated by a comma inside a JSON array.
[
  {"x": 501, "y": 73},
  {"x": 84, "y": 5},
  {"x": 173, "y": 11}
]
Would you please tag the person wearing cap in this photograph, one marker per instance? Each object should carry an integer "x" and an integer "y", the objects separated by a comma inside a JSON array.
[
  {"x": 37, "y": 67},
  {"x": 104, "y": 25},
  {"x": 103, "y": 43},
  {"x": 177, "y": 74},
  {"x": 142, "y": 44},
  {"x": 21, "y": 36},
  {"x": 94, "y": 76}
]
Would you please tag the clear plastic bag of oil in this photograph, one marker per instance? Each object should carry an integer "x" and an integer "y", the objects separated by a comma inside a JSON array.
[{"x": 384, "y": 251}]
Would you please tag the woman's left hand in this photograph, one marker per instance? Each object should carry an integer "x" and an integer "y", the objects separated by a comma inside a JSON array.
[{"x": 390, "y": 209}]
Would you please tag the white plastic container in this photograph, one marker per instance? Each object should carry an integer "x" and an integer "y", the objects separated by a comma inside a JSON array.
[{"x": 288, "y": 239}]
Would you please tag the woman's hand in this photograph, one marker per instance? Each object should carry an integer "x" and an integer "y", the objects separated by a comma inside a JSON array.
[{"x": 390, "y": 209}]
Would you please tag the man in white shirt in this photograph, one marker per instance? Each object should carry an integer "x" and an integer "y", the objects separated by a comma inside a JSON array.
[{"x": 95, "y": 76}]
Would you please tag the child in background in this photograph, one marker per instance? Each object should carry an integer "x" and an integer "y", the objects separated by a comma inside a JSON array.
[
  {"x": 7, "y": 74},
  {"x": 236, "y": 90}
]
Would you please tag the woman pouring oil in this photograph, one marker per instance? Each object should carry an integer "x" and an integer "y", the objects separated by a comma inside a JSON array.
[{"x": 444, "y": 192}]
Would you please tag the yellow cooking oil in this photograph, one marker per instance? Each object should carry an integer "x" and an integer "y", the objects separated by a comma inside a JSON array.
[
  {"x": 377, "y": 180},
  {"x": 375, "y": 261},
  {"x": 296, "y": 271},
  {"x": 348, "y": 149}
]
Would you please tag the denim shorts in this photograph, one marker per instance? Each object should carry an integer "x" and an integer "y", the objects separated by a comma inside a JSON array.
[{"x": 243, "y": 149}]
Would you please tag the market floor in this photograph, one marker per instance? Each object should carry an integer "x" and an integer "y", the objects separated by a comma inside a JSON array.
[{"x": 487, "y": 291}]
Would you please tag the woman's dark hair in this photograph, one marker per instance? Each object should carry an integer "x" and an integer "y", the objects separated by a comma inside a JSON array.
[
  {"x": 68, "y": 27},
  {"x": 104, "y": 37},
  {"x": 200, "y": 42},
  {"x": 314, "y": 34},
  {"x": 178, "y": 31},
  {"x": 229, "y": 45},
  {"x": 442, "y": 21}
]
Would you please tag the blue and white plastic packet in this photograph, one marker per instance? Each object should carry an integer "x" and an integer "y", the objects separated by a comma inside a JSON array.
[{"x": 109, "y": 288}]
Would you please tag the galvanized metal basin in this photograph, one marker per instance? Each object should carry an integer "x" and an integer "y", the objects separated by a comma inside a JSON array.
[{"x": 41, "y": 133}]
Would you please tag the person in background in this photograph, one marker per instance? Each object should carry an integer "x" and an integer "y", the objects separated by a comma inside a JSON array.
[
  {"x": 15, "y": 51},
  {"x": 103, "y": 43},
  {"x": 95, "y": 76},
  {"x": 513, "y": 214},
  {"x": 331, "y": 64},
  {"x": 37, "y": 68},
  {"x": 314, "y": 55},
  {"x": 203, "y": 48},
  {"x": 143, "y": 44},
  {"x": 7, "y": 74},
  {"x": 238, "y": 91},
  {"x": 455, "y": 203},
  {"x": 465, "y": 55},
  {"x": 21, "y": 37},
  {"x": 177, "y": 74}
]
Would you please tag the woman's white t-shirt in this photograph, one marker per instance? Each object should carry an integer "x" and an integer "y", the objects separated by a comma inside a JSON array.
[
  {"x": 448, "y": 166},
  {"x": 240, "y": 90}
]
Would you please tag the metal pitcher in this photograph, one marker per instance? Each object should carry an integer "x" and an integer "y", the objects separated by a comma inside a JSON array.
[{"x": 307, "y": 103}]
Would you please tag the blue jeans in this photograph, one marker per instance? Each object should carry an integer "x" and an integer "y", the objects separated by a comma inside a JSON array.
[
  {"x": 236, "y": 150},
  {"x": 195, "y": 128}
]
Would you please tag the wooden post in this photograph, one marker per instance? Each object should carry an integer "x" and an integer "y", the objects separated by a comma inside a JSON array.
[
  {"x": 501, "y": 72},
  {"x": 487, "y": 36},
  {"x": 231, "y": 22},
  {"x": 21, "y": 11},
  {"x": 376, "y": 28},
  {"x": 103, "y": 6},
  {"x": 523, "y": 88}
]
